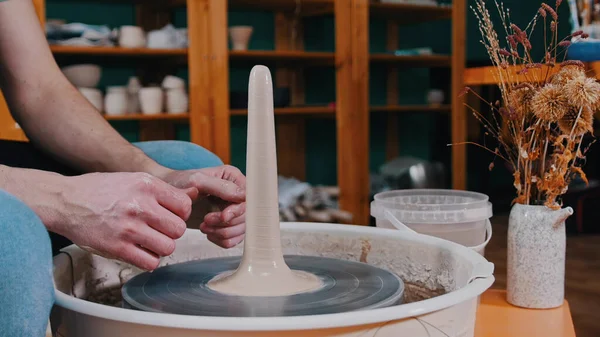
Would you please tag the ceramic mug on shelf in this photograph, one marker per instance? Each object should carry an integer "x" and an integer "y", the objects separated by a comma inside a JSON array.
[
  {"x": 240, "y": 36},
  {"x": 151, "y": 100},
  {"x": 94, "y": 96},
  {"x": 177, "y": 100},
  {"x": 115, "y": 102},
  {"x": 132, "y": 37}
]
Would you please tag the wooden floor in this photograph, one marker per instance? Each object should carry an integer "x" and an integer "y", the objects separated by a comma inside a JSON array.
[{"x": 582, "y": 274}]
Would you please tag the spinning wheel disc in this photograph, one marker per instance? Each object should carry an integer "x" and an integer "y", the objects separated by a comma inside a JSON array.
[{"x": 181, "y": 289}]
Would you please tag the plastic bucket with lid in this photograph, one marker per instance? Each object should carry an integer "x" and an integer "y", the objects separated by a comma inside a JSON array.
[{"x": 457, "y": 216}]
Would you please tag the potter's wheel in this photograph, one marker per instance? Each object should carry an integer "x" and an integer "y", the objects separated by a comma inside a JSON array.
[{"x": 181, "y": 289}]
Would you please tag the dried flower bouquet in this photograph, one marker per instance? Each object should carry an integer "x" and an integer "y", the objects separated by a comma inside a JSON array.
[{"x": 546, "y": 109}]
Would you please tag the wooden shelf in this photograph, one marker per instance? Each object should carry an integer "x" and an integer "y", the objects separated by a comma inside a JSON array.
[
  {"x": 116, "y": 51},
  {"x": 412, "y": 108},
  {"x": 324, "y": 110},
  {"x": 283, "y": 56},
  {"x": 413, "y": 61},
  {"x": 307, "y": 7},
  {"x": 141, "y": 117},
  {"x": 404, "y": 14}
]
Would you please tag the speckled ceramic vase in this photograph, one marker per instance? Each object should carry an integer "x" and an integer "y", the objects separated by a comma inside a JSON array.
[{"x": 536, "y": 256}]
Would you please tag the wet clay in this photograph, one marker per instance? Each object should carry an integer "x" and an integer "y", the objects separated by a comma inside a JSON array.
[{"x": 262, "y": 271}]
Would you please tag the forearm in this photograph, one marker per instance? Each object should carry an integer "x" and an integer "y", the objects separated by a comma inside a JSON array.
[
  {"x": 62, "y": 122},
  {"x": 40, "y": 190}
]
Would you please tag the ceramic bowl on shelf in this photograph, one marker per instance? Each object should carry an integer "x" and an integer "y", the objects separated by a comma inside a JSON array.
[
  {"x": 240, "y": 36},
  {"x": 83, "y": 75},
  {"x": 173, "y": 82}
]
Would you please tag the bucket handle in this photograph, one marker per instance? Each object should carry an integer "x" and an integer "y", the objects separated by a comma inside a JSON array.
[
  {"x": 397, "y": 223},
  {"x": 488, "y": 234}
]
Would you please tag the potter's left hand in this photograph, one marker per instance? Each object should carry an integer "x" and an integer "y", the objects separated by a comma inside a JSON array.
[{"x": 225, "y": 188}]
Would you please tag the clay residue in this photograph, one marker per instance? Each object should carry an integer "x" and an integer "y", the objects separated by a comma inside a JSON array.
[{"x": 366, "y": 248}]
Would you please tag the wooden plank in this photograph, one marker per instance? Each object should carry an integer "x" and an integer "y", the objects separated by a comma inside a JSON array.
[
  {"x": 487, "y": 75},
  {"x": 352, "y": 91},
  {"x": 406, "y": 13},
  {"x": 422, "y": 108},
  {"x": 392, "y": 149},
  {"x": 291, "y": 139},
  {"x": 458, "y": 115},
  {"x": 306, "y": 111},
  {"x": 307, "y": 58},
  {"x": 116, "y": 51},
  {"x": 429, "y": 61},
  {"x": 307, "y": 7},
  {"x": 142, "y": 117},
  {"x": 219, "y": 79},
  {"x": 201, "y": 110}
]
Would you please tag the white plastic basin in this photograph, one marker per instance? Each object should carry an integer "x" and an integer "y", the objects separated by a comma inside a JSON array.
[{"x": 443, "y": 283}]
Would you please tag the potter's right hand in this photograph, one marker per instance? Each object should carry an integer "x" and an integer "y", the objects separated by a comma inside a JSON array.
[{"x": 133, "y": 217}]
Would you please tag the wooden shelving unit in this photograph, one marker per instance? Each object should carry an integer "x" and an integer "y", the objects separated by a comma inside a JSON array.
[{"x": 208, "y": 58}]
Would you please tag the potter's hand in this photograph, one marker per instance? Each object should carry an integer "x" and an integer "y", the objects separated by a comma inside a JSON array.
[
  {"x": 133, "y": 217},
  {"x": 224, "y": 187}
]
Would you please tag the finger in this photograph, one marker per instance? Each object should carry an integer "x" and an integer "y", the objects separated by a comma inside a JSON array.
[
  {"x": 230, "y": 243},
  {"x": 231, "y": 215},
  {"x": 221, "y": 188},
  {"x": 232, "y": 212},
  {"x": 153, "y": 241},
  {"x": 165, "y": 222},
  {"x": 174, "y": 199},
  {"x": 225, "y": 233},
  {"x": 228, "y": 172},
  {"x": 138, "y": 256}
]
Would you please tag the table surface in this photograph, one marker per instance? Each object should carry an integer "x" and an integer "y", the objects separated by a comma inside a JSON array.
[{"x": 497, "y": 318}]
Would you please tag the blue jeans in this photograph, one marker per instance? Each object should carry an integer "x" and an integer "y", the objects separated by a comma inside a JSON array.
[{"x": 26, "y": 282}]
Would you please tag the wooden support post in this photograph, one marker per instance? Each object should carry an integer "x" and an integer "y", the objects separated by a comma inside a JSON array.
[
  {"x": 458, "y": 119},
  {"x": 219, "y": 79},
  {"x": 201, "y": 113},
  {"x": 352, "y": 109},
  {"x": 392, "y": 148},
  {"x": 291, "y": 139},
  {"x": 209, "y": 76}
]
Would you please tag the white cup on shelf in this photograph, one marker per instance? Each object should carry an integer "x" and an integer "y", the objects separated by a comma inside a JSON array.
[
  {"x": 132, "y": 37},
  {"x": 115, "y": 101},
  {"x": 151, "y": 100},
  {"x": 240, "y": 36}
]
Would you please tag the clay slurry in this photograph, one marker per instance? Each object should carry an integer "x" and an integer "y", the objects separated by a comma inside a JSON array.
[{"x": 262, "y": 270}]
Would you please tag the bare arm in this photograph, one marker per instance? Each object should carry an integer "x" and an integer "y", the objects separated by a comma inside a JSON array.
[{"x": 53, "y": 114}]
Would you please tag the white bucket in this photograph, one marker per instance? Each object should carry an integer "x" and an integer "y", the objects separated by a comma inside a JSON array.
[{"x": 457, "y": 216}]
